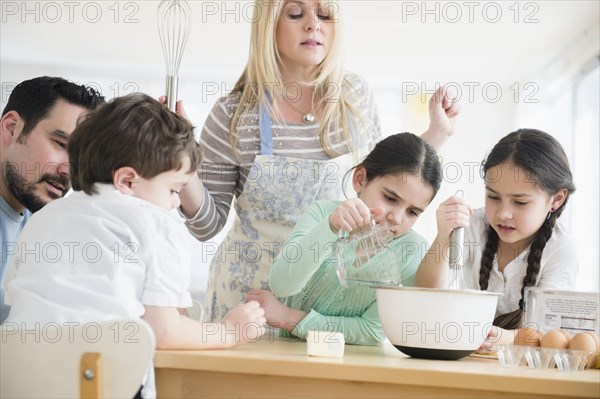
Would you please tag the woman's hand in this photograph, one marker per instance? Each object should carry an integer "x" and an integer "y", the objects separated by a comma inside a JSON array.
[
  {"x": 444, "y": 108},
  {"x": 277, "y": 314},
  {"x": 178, "y": 106},
  {"x": 451, "y": 214}
]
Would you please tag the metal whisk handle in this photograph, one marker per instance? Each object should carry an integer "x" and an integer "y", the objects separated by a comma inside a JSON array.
[
  {"x": 457, "y": 242},
  {"x": 171, "y": 91}
]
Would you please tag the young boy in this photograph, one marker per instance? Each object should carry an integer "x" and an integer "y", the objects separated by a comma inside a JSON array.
[{"x": 113, "y": 249}]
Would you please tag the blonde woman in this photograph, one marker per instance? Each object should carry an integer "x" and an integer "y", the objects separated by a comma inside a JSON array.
[{"x": 293, "y": 124}]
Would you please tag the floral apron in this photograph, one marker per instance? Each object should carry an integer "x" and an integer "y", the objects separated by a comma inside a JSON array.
[{"x": 276, "y": 193}]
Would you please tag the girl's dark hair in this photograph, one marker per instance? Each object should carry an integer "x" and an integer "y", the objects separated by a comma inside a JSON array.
[
  {"x": 134, "y": 130},
  {"x": 545, "y": 163},
  {"x": 403, "y": 153}
]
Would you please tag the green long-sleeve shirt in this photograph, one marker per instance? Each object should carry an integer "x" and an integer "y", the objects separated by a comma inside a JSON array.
[{"x": 304, "y": 274}]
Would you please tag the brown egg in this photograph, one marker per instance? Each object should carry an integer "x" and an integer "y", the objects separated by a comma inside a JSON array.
[
  {"x": 528, "y": 336},
  {"x": 567, "y": 334},
  {"x": 554, "y": 339},
  {"x": 596, "y": 340},
  {"x": 583, "y": 342}
]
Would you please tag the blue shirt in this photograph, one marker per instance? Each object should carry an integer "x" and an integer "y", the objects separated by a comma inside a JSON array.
[{"x": 11, "y": 224}]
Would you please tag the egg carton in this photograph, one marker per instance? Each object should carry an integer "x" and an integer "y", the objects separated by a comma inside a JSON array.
[{"x": 544, "y": 358}]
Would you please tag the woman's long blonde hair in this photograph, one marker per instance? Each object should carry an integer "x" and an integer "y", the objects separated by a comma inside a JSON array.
[{"x": 262, "y": 72}]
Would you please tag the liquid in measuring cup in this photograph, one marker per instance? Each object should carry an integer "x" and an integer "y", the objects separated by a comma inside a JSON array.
[{"x": 364, "y": 258}]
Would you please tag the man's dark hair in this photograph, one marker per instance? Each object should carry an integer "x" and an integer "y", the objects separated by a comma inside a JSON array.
[{"x": 33, "y": 99}]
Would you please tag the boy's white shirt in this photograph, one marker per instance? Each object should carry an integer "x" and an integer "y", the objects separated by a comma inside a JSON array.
[
  {"x": 118, "y": 253},
  {"x": 102, "y": 257},
  {"x": 558, "y": 266}
]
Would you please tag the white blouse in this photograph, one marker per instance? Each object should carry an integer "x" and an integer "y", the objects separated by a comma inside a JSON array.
[{"x": 558, "y": 265}]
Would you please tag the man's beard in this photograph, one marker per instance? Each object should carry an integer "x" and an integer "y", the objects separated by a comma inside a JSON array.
[{"x": 24, "y": 191}]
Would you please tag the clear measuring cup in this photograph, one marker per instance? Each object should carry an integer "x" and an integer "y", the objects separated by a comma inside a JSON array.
[{"x": 363, "y": 258}]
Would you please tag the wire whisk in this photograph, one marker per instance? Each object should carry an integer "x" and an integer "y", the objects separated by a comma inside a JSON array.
[{"x": 174, "y": 25}]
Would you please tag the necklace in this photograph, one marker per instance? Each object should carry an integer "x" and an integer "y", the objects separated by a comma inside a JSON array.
[{"x": 307, "y": 118}]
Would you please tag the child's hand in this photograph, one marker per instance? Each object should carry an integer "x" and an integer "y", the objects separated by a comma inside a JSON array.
[
  {"x": 497, "y": 336},
  {"x": 275, "y": 311},
  {"x": 349, "y": 215},
  {"x": 277, "y": 314},
  {"x": 451, "y": 214},
  {"x": 247, "y": 320}
]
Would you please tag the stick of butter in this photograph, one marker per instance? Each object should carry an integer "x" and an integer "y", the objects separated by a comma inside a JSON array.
[{"x": 325, "y": 344}]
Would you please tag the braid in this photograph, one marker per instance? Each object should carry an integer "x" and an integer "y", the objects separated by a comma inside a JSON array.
[
  {"x": 535, "y": 252},
  {"x": 513, "y": 319},
  {"x": 509, "y": 321},
  {"x": 487, "y": 258}
]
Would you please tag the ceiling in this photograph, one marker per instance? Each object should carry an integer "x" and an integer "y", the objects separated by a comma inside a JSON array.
[{"x": 391, "y": 39}]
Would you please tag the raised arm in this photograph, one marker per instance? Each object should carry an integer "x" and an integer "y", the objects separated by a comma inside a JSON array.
[
  {"x": 207, "y": 198},
  {"x": 443, "y": 113}
]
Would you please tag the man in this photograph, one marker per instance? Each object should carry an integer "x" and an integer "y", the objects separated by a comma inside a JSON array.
[{"x": 36, "y": 123}]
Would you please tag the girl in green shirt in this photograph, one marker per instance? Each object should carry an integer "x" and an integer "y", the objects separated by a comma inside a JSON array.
[{"x": 394, "y": 184}]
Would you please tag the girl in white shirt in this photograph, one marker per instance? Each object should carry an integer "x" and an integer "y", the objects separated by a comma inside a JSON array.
[{"x": 515, "y": 241}]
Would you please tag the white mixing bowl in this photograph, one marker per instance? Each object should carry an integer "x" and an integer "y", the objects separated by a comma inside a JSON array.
[{"x": 436, "y": 323}]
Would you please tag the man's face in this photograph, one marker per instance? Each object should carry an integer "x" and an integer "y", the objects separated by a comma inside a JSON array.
[{"x": 35, "y": 168}]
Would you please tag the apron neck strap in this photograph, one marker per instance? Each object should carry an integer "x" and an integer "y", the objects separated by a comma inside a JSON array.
[{"x": 266, "y": 133}]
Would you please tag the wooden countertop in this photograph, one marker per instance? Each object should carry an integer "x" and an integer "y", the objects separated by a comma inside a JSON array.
[{"x": 274, "y": 356}]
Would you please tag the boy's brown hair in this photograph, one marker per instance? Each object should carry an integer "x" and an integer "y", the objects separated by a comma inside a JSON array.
[{"x": 134, "y": 130}]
